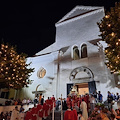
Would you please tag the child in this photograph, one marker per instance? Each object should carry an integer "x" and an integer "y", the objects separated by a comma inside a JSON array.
[{"x": 80, "y": 117}]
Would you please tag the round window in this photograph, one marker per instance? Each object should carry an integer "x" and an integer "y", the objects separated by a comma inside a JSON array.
[{"x": 41, "y": 72}]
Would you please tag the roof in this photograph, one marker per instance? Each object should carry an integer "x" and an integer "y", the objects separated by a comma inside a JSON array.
[{"x": 79, "y": 11}]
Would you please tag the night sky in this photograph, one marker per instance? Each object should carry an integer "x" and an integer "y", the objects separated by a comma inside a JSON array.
[{"x": 31, "y": 26}]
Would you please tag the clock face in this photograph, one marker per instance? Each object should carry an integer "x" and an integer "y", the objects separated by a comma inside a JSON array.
[{"x": 81, "y": 70}]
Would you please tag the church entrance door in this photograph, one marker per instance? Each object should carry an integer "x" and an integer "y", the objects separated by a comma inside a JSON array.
[
  {"x": 69, "y": 87},
  {"x": 92, "y": 87},
  {"x": 83, "y": 78},
  {"x": 82, "y": 88}
]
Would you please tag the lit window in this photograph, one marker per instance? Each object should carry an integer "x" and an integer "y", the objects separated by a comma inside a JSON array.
[{"x": 41, "y": 72}]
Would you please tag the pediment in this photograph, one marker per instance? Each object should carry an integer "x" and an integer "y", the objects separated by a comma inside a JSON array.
[{"x": 78, "y": 11}]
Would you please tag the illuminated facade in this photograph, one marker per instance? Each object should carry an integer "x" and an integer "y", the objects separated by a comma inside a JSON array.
[{"x": 76, "y": 58}]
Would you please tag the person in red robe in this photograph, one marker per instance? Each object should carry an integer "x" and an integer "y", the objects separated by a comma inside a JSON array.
[
  {"x": 40, "y": 113},
  {"x": 34, "y": 112},
  {"x": 53, "y": 98},
  {"x": 45, "y": 110},
  {"x": 68, "y": 114},
  {"x": 28, "y": 115},
  {"x": 39, "y": 106},
  {"x": 74, "y": 113},
  {"x": 50, "y": 104},
  {"x": 68, "y": 99}
]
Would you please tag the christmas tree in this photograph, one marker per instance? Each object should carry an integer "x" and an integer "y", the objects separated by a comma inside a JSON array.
[
  {"x": 14, "y": 72},
  {"x": 110, "y": 33}
]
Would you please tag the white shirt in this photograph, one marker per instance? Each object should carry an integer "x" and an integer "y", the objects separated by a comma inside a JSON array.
[
  {"x": 14, "y": 115},
  {"x": 92, "y": 100}
]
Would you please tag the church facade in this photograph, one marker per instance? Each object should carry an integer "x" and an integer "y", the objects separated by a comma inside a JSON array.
[{"x": 75, "y": 59}]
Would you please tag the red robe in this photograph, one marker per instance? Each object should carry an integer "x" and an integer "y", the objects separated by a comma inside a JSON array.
[
  {"x": 45, "y": 109},
  {"x": 34, "y": 113},
  {"x": 34, "y": 110},
  {"x": 34, "y": 117},
  {"x": 39, "y": 107},
  {"x": 73, "y": 103},
  {"x": 28, "y": 115},
  {"x": 53, "y": 99},
  {"x": 48, "y": 101},
  {"x": 40, "y": 113},
  {"x": 68, "y": 115},
  {"x": 68, "y": 99},
  {"x": 74, "y": 114},
  {"x": 69, "y": 103},
  {"x": 51, "y": 104}
]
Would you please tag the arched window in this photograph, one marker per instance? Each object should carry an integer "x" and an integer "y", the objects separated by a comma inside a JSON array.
[
  {"x": 75, "y": 53},
  {"x": 84, "y": 51}
]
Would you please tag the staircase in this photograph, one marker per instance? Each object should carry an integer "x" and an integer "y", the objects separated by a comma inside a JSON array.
[{"x": 57, "y": 116}]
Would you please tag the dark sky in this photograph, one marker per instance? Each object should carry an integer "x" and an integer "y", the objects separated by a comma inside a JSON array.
[{"x": 31, "y": 26}]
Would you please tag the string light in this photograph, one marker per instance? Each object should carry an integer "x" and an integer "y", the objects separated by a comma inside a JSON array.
[
  {"x": 112, "y": 53},
  {"x": 106, "y": 51},
  {"x": 6, "y": 68},
  {"x": 6, "y": 46},
  {"x": 117, "y": 43},
  {"x": 6, "y": 72},
  {"x": 118, "y": 56},
  {"x": 11, "y": 63},
  {"x": 112, "y": 34},
  {"x": 107, "y": 16}
]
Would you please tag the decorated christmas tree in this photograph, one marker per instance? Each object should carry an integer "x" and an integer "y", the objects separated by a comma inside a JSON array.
[
  {"x": 14, "y": 72},
  {"x": 110, "y": 33}
]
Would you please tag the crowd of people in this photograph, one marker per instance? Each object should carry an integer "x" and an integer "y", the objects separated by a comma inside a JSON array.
[
  {"x": 92, "y": 107},
  {"x": 42, "y": 109},
  {"x": 76, "y": 107},
  {"x": 17, "y": 101}
]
